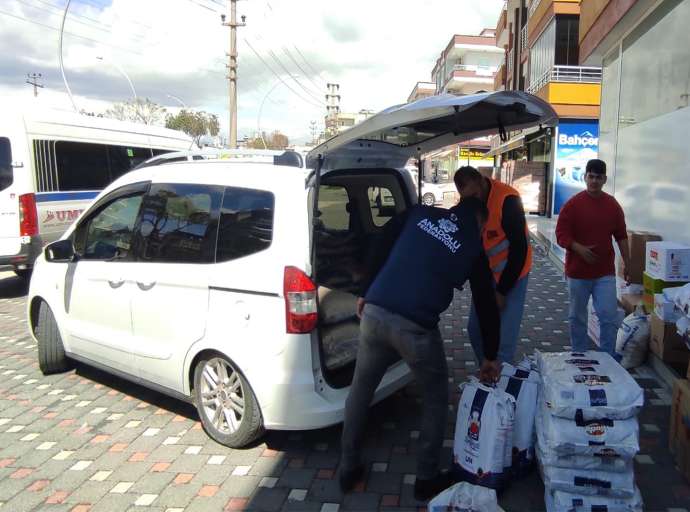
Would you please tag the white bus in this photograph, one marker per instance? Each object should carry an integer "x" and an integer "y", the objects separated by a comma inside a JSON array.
[{"x": 52, "y": 164}]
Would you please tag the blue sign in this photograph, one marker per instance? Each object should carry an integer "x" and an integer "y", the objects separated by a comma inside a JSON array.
[{"x": 576, "y": 143}]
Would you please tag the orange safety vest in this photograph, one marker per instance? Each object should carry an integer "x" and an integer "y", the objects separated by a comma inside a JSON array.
[{"x": 494, "y": 238}]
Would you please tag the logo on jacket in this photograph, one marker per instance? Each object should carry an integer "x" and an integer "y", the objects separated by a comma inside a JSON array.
[
  {"x": 442, "y": 230},
  {"x": 447, "y": 225},
  {"x": 474, "y": 426}
]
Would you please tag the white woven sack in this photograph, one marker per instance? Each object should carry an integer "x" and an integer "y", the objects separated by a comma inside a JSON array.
[
  {"x": 465, "y": 497},
  {"x": 559, "y": 501}
]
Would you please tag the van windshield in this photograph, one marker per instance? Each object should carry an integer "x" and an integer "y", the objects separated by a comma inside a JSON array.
[{"x": 6, "y": 174}]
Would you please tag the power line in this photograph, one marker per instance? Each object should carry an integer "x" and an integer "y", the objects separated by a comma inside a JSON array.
[
  {"x": 308, "y": 64},
  {"x": 270, "y": 52},
  {"x": 287, "y": 52},
  {"x": 280, "y": 78},
  {"x": 195, "y": 2},
  {"x": 69, "y": 33}
]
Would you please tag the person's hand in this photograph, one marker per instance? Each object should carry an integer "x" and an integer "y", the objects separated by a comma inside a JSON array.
[
  {"x": 360, "y": 306},
  {"x": 626, "y": 273},
  {"x": 585, "y": 252},
  {"x": 490, "y": 371},
  {"x": 500, "y": 300}
]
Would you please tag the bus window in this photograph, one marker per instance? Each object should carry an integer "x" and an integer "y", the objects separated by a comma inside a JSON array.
[
  {"x": 125, "y": 158},
  {"x": 6, "y": 174},
  {"x": 81, "y": 166}
]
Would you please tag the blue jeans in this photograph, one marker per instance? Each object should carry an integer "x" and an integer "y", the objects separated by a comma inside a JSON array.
[
  {"x": 511, "y": 319},
  {"x": 603, "y": 293}
]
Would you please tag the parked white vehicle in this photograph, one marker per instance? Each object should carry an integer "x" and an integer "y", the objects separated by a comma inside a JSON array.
[
  {"x": 53, "y": 164},
  {"x": 233, "y": 284},
  {"x": 438, "y": 193}
]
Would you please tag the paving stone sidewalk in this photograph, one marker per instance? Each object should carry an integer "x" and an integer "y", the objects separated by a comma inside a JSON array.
[{"x": 87, "y": 441}]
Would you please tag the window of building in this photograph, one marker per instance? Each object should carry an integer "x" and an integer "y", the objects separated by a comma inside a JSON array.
[
  {"x": 178, "y": 224},
  {"x": 246, "y": 223},
  {"x": 567, "y": 44},
  {"x": 542, "y": 54},
  {"x": 6, "y": 172}
]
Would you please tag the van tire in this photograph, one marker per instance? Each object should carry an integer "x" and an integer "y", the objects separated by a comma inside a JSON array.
[
  {"x": 51, "y": 351},
  {"x": 428, "y": 199},
  {"x": 250, "y": 425}
]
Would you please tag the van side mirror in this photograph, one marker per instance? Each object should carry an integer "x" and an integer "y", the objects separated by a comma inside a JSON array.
[{"x": 61, "y": 251}]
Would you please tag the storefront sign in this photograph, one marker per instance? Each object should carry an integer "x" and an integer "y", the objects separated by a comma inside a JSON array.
[{"x": 576, "y": 143}]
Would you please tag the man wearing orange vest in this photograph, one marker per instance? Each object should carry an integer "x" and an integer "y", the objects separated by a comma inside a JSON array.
[{"x": 506, "y": 244}]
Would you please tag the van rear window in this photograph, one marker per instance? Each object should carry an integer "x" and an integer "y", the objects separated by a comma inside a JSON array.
[{"x": 6, "y": 173}]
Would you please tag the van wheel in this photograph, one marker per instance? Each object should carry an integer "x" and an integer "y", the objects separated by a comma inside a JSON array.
[
  {"x": 428, "y": 199},
  {"x": 226, "y": 404},
  {"x": 51, "y": 352}
]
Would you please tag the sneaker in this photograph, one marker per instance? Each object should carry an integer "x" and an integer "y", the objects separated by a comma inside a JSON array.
[
  {"x": 349, "y": 477},
  {"x": 427, "y": 489}
]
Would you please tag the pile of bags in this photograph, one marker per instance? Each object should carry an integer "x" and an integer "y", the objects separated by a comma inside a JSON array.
[
  {"x": 680, "y": 297},
  {"x": 494, "y": 431},
  {"x": 587, "y": 432}
]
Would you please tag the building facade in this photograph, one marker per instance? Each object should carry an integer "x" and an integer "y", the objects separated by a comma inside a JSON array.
[
  {"x": 540, "y": 40},
  {"x": 643, "y": 47}
]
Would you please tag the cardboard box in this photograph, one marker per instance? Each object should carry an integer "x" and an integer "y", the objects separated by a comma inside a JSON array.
[
  {"x": 668, "y": 261},
  {"x": 665, "y": 309},
  {"x": 630, "y": 301},
  {"x": 666, "y": 343},
  {"x": 637, "y": 243},
  {"x": 679, "y": 429},
  {"x": 653, "y": 285}
]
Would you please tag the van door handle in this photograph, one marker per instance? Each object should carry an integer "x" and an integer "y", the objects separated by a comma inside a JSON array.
[
  {"x": 146, "y": 286},
  {"x": 116, "y": 284}
]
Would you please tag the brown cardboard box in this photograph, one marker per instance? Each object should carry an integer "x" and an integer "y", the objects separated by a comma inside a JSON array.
[
  {"x": 628, "y": 302},
  {"x": 637, "y": 242},
  {"x": 666, "y": 343},
  {"x": 679, "y": 431}
]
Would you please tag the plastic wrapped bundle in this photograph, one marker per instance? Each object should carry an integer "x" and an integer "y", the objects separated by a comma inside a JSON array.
[
  {"x": 559, "y": 501},
  {"x": 483, "y": 430},
  {"x": 522, "y": 383},
  {"x": 583, "y": 482},
  {"x": 590, "y": 384},
  {"x": 602, "y": 437},
  {"x": 465, "y": 496},
  {"x": 585, "y": 462}
]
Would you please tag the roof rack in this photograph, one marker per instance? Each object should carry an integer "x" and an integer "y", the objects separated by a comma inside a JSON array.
[{"x": 287, "y": 157}]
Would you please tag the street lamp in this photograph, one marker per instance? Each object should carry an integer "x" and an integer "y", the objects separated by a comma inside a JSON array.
[
  {"x": 178, "y": 99},
  {"x": 258, "y": 118},
  {"x": 123, "y": 73},
  {"x": 62, "y": 67}
]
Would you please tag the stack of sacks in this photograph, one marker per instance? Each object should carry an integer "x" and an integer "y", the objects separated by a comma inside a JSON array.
[
  {"x": 483, "y": 435},
  {"x": 522, "y": 383},
  {"x": 587, "y": 432}
]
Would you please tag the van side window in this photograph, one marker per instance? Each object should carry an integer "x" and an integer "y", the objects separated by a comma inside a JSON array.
[
  {"x": 382, "y": 204},
  {"x": 6, "y": 174},
  {"x": 178, "y": 224},
  {"x": 108, "y": 234},
  {"x": 246, "y": 223},
  {"x": 80, "y": 166},
  {"x": 333, "y": 207}
]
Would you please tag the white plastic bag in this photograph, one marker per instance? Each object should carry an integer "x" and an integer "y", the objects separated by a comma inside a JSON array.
[
  {"x": 633, "y": 339},
  {"x": 483, "y": 429},
  {"x": 590, "y": 382},
  {"x": 465, "y": 497},
  {"x": 523, "y": 385},
  {"x": 559, "y": 501},
  {"x": 588, "y": 482},
  {"x": 595, "y": 438}
]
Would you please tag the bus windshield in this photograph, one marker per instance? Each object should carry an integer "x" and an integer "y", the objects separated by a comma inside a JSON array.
[{"x": 6, "y": 174}]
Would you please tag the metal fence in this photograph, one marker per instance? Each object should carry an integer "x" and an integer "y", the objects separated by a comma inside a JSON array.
[{"x": 571, "y": 74}]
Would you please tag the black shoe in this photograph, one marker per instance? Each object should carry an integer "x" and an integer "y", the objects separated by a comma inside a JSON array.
[
  {"x": 349, "y": 478},
  {"x": 426, "y": 489}
]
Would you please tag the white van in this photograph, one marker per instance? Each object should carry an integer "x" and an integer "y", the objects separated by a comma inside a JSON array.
[
  {"x": 53, "y": 164},
  {"x": 233, "y": 284}
]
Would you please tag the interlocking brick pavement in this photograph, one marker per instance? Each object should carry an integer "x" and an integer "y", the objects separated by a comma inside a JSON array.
[{"x": 85, "y": 440}]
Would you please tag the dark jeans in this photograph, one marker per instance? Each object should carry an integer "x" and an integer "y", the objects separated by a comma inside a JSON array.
[{"x": 383, "y": 337}]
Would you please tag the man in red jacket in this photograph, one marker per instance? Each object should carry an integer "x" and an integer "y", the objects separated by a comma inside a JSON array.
[{"x": 586, "y": 224}]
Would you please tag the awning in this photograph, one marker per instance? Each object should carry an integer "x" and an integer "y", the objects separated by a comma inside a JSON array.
[{"x": 514, "y": 143}]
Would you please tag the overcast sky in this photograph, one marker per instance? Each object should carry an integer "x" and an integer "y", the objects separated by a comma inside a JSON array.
[{"x": 375, "y": 49}]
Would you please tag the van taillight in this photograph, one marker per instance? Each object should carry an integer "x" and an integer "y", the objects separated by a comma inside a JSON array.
[
  {"x": 300, "y": 301},
  {"x": 28, "y": 216}
]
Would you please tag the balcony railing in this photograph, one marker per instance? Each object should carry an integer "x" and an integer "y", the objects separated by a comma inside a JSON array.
[
  {"x": 523, "y": 39},
  {"x": 479, "y": 70},
  {"x": 533, "y": 7},
  {"x": 509, "y": 63},
  {"x": 572, "y": 74}
]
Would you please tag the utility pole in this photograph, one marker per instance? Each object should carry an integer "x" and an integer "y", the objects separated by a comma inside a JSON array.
[
  {"x": 33, "y": 80},
  {"x": 232, "y": 69},
  {"x": 313, "y": 131}
]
